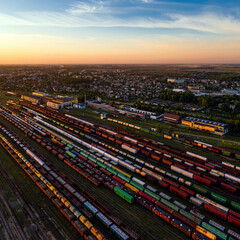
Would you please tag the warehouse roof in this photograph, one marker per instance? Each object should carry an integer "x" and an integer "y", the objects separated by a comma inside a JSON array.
[
  {"x": 206, "y": 121},
  {"x": 32, "y": 96}
]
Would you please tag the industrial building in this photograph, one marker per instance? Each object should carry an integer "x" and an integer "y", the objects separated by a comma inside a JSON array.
[
  {"x": 172, "y": 118},
  {"x": 39, "y": 94},
  {"x": 55, "y": 102},
  {"x": 206, "y": 125},
  {"x": 100, "y": 106},
  {"x": 68, "y": 98},
  {"x": 31, "y": 98},
  {"x": 135, "y": 110},
  {"x": 59, "y": 104}
]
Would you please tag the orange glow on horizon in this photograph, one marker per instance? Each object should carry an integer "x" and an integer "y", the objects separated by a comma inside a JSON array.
[{"x": 38, "y": 49}]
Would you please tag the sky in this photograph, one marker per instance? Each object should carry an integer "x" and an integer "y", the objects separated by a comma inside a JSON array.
[{"x": 119, "y": 32}]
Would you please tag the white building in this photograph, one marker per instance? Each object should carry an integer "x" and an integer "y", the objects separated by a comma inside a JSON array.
[
  {"x": 173, "y": 80},
  {"x": 59, "y": 104},
  {"x": 178, "y": 90}
]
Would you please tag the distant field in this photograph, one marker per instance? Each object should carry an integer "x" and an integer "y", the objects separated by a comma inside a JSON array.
[
  {"x": 230, "y": 68},
  {"x": 90, "y": 112},
  {"x": 89, "y": 115}
]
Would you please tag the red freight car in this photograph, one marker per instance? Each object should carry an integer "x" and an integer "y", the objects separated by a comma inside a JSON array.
[
  {"x": 215, "y": 211},
  {"x": 190, "y": 192},
  {"x": 202, "y": 180},
  {"x": 111, "y": 139},
  {"x": 108, "y": 185},
  {"x": 119, "y": 180},
  {"x": 233, "y": 220},
  {"x": 180, "y": 227},
  {"x": 144, "y": 203},
  {"x": 237, "y": 215},
  {"x": 170, "y": 182},
  {"x": 180, "y": 166},
  {"x": 184, "y": 219},
  {"x": 163, "y": 184},
  {"x": 178, "y": 192},
  {"x": 60, "y": 156},
  {"x": 151, "y": 178},
  {"x": 82, "y": 157},
  {"x": 146, "y": 196},
  {"x": 165, "y": 216},
  {"x": 167, "y": 162},
  {"x": 228, "y": 187},
  {"x": 106, "y": 172},
  {"x": 203, "y": 166},
  {"x": 214, "y": 181},
  {"x": 119, "y": 142},
  {"x": 164, "y": 207},
  {"x": 155, "y": 157},
  {"x": 54, "y": 152},
  {"x": 145, "y": 153},
  {"x": 195, "y": 172},
  {"x": 137, "y": 148}
]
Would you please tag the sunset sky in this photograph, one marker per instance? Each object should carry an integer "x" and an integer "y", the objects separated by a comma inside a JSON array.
[{"x": 119, "y": 31}]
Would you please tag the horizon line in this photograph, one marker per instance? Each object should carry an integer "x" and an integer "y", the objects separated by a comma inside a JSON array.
[{"x": 32, "y": 64}]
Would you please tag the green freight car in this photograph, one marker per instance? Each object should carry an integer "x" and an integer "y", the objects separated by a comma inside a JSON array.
[
  {"x": 127, "y": 197},
  {"x": 92, "y": 159},
  {"x": 235, "y": 205},
  {"x": 70, "y": 146},
  {"x": 125, "y": 178},
  {"x": 153, "y": 195},
  {"x": 218, "y": 198},
  {"x": 171, "y": 205},
  {"x": 214, "y": 230},
  {"x": 84, "y": 154},
  {"x": 70, "y": 154},
  {"x": 200, "y": 189},
  {"x": 114, "y": 172},
  {"x": 136, "y": 185},
  {"x": 189, "y": 216},
  {"x": 101, "y": 165}
]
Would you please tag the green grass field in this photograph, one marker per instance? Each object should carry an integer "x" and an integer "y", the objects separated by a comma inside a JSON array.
[{"x": 211, "y": 138}]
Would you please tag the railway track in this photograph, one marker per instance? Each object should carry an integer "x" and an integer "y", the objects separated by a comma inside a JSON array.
[
  {"x": 8, "y": 220},
  {"x": 85, "y": 185},
  {"x": 33, "y": 217},
  {"x": 125, "y": 213}
]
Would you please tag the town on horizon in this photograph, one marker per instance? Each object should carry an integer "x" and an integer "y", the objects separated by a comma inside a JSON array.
[{"x": 120, "y": 120}]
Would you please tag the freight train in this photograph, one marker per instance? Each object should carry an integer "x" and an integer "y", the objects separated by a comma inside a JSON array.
[{"x": 141, "y": 196}]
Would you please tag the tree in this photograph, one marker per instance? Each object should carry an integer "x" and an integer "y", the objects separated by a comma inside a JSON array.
[
  {"x": 170, "y": 130},
  {"x": 113, "y": 103},
  {"x": 159, "y": 127},
  {"x": 138, "y": 101},
  {"x": 225, "y": 107}
]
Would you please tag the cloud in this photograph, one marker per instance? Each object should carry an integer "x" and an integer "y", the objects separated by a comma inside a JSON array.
[
  {"x": 100, "y": 14},
  {"x": 147, "y": 1},
  {"x": 87, "y": 7},
  {"x": 208, "y": 22}
]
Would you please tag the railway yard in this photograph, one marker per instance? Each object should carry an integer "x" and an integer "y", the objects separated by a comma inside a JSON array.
[{"x": 65, "y": 177}]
